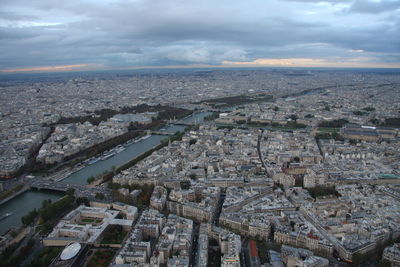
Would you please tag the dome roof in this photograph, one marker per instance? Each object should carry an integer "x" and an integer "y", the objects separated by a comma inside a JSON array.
[{"x": 70, "y": 251}]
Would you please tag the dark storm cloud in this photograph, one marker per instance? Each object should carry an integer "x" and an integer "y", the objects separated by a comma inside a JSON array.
[
  {"x": 321, "y": 1},
  {"x": 12, "y": 16},
  {"x": 124, "y": 33},
  {"x": 374, "y": 7},
  {"x": 361, "y": 6}
]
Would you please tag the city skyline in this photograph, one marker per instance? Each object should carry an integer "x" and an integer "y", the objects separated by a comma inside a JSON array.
[
  {"x": 201, "y": 168},
  {"x": 99, "y": 35}
]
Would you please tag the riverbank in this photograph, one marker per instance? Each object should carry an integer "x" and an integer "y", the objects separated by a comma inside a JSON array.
[
  {"x": 163, "y": 143},
  {"x": 165, "y": 113},
  {"x": 13, "y": 194},
  {"x": 131, "y": 152},
  {"x": 134, "y": 151},
  {"x": 65, "y": 170},
  {"x": 21, "y": 204},
  {"x": 72, "y": 163},
  {"x": 9, "y": 240}
]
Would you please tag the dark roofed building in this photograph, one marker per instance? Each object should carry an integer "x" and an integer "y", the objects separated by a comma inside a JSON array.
[{"x": 368, "y": 133}]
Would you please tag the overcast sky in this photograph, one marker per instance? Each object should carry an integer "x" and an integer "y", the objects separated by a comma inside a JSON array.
[{"x": 107, "y": 34}]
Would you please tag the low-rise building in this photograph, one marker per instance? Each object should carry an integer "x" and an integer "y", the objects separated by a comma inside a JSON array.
[
  {"x": 158, "y": 198},
  {"x": 230, "y": 245},
  {"x": 392, "y": 254},
  {"x": 86, "y": 224},
  {"x": 298, "y": 257}
]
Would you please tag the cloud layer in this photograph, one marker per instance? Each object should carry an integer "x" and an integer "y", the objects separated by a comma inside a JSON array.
[{"x": 122, "y": 33}]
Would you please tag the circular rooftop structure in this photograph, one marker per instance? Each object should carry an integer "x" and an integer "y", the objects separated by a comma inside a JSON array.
[{"x": 70, "y": 251}]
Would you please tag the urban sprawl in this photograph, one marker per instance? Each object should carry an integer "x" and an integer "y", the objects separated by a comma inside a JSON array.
[{"x": 288, "y": 168}]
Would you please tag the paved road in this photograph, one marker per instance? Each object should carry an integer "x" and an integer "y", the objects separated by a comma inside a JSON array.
[
  {"x": 245, "y": 257},
  {"x": 260, "y": 135},
  {"x": 195, "y": 242},
  {"x": 215, "y": 220},
  {"x": 80, "y": 190}
]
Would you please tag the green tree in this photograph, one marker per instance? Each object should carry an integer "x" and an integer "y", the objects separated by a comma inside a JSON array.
[
  {"x": 70, "y": 191},
  {"x": 46, "y": 203},
  {"x": 323, "y": 191},
  {"x": 323, "y": 136},
  {"x": 359, "y": 113},
  {"x": 337, "y": 136},
  {"x": 90, "y": 179},
  {"x": 82, "y": 200},
  {"x": 358, "y": 258},
  {"x": 369, "y": 109},
  {"x": 192, "y": 141},
  {"x": 333, "y": 124},
  {"x": 99, "y": 196},
  {"x": 385, "y": 263},
  {"x": 56, "y": 208},
  {"x": 374, "y": 121},
  {"x": 353, "y": 142},
  {"x": 293, "y": 117},
  {"x": 30, "y": 217},
  {"x": 185, "y": 185},
  {"x": 113, "y": 185}
]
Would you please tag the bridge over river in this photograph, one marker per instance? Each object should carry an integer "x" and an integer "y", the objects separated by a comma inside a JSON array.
[{"x": 80, "y": 190}]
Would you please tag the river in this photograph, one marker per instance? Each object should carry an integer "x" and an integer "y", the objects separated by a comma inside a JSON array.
[
  {"x": 131, "y": 151},
  {"x": 29, "y": 200},
  {"x": 21, "y": 205}
]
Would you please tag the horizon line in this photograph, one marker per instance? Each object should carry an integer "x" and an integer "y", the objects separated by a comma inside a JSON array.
[{"x": 87, "y": 68}]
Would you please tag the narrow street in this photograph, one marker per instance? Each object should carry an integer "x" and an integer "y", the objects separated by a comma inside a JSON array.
[
  {"x": 195, "y": 242},
  {"x": 260, "y": 135},
  {"x": 244, "y": 254},
  {"x": 215, "y": 220}
]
